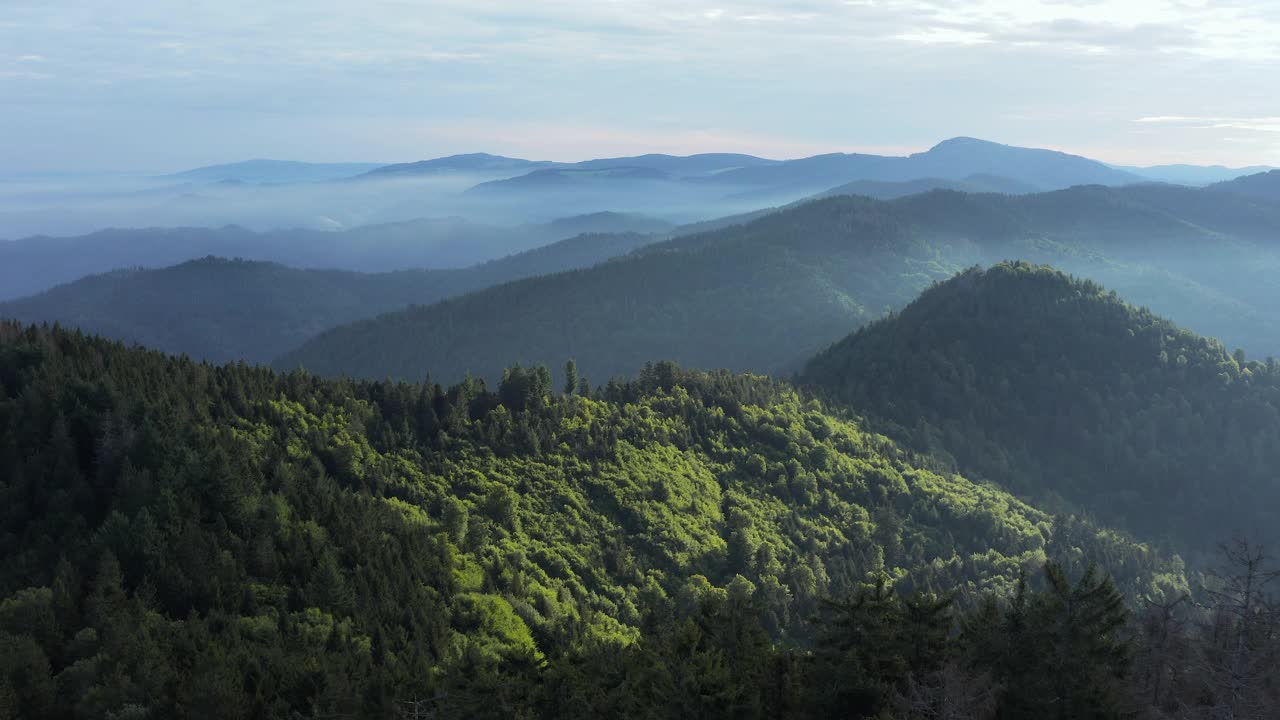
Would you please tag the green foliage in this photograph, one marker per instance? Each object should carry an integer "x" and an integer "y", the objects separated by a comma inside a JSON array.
[{"x": 183, "y": 539}]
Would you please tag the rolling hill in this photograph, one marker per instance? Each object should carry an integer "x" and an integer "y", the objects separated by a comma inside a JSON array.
[
  {"x": 755, "y": 296},
  {"x": 1264, "y": 185},
  {"x": 882, "y": 190},
  {"x": 1060, "y": 391},
  {"x": 228, "y": 310},
  {"x": 32, "y": 265},
  {"x": 765, "y": 294}
]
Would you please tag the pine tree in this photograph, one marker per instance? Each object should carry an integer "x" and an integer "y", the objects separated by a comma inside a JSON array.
[{"x": 571, "y": 377}]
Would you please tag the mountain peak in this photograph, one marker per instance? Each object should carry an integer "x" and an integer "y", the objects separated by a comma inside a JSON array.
[
  {"x": 1047, "y": 169},
  {"x": 964, "y": 142}
]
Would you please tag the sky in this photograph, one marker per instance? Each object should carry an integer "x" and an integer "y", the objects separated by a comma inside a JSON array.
[{"x": 161, "y": 85}]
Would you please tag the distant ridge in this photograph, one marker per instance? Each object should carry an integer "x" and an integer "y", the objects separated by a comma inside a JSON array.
[
  {"x": 34, "y": 264},
  {"x": 954, "y": 159},
  {"x": 1193, "y": 174},
  {"x": 704, "y": 164},
  {"x": 229, "y": 310},
  {"x": 470, "y": 162},
  {"x": 961, "y": 159},
  {"x": 1263, "y": 185},
  {"x": 574, "y": 176},
  {"x": 262, "y": 171}
]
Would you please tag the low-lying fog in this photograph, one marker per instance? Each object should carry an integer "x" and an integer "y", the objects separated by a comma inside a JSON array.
[{"x": 62, "y": 206}]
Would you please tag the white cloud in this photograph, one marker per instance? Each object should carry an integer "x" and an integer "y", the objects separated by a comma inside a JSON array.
[
  {"x": 1258, "y": 124},
  {"x": 813, "y": 73},
  {"x": 944, "y": 36}
]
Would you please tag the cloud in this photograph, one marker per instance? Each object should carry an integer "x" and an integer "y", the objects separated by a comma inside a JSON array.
[
  {"x": 1075, "y": 33},
  {"x": 944, "y": 36},
  {"x": 785, "y": 73},
  {"x": 1257, "y": 124}
]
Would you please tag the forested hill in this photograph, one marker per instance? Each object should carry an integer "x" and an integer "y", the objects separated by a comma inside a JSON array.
[
  {"x": 228, "y": 310},
  {"x": 184, "y": 540},
  {"x": 766, "y": 294},
  {"x": 1264, "y": 185},
  {"x": 1060, "y": 391},
  {"x": 756, "y": 296}
]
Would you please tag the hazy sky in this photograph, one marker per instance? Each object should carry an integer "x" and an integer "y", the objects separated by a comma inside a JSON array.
[{"x": 167, "y": 84}]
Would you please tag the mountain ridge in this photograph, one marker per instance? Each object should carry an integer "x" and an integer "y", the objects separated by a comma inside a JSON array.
[
  {"x": 758, "y": 295},
  {"x": 263, "y": 170}
]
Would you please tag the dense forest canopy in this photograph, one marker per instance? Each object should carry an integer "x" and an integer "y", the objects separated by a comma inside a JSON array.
[{"x": 181, "y": 536}]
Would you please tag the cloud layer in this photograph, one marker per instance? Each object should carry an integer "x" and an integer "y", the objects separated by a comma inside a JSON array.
[{"x": 147, "y": 84}]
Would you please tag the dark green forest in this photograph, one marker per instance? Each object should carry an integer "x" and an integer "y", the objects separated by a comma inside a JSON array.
[
  {"x": 765, "y": 295},
  {"x": 1060, "y": 391},
  {"x": 189, "y": 540}
]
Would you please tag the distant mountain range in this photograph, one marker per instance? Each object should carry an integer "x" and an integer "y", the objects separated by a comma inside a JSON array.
[
  {"x": 468, "y": 163},
  {"x": 957, "y": 159},
  {"x": 35, "y": 264},
  {"x": 491, "y": 188},
  {"x": 1004, "y": 168},
  {"x": 677, "y": 166},
  {"x": 1000, "y": 167},
  {"x": 272, "y": 172},
  {"x": 1193, "y": 174}
]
